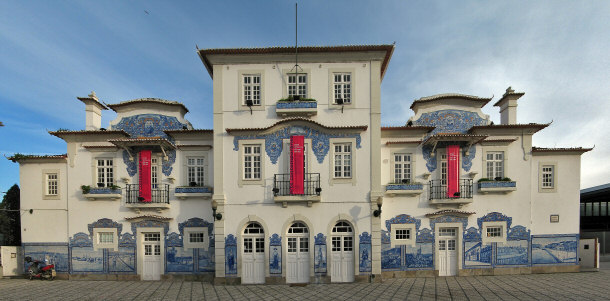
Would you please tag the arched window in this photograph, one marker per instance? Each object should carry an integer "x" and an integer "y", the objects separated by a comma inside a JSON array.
[
  {"x": 342, "y": 227},
  {"x": 254, "y": 228},
  {"x": 298, "y": 227}
]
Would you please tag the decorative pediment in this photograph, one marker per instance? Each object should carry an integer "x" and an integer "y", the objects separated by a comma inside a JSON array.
[
  {"x": 149, "y": 221},
  {"x": 518, "y": 233},
  {"x": 320, "y": 239},
  {"x": 149, "y": 125},
  {"x": 365, "y": 238},
  {"x": 472, "y": 234},
  {"x": 230, "y": 240},
  {"x": 425, "y": 235},
  {"x": 449, "y": 218},
  {"x": 402, "y": 219},
  {"x": 275, "y": 240},
  {"x": 81, "y": 239},
  {"x": 105, "y": 223},
  {"x": 494, "y": 217},
  {"x": 195, "y": 222},
  {"x": 173, "y": 240},
  {"x": 450, "y": 121}
]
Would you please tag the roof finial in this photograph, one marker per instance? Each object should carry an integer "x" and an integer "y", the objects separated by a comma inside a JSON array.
[
  {"x": 92, "y": 95},
  {"x": 510, "y": 90}
]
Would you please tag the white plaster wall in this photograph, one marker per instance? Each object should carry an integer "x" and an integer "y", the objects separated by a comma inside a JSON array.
[{"x": 12, "y": 266}]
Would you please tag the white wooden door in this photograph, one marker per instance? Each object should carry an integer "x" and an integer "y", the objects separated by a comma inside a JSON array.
[
  {"x": 253, "y": 255},
  {"x": 297, "y": 259},
  {"x": 342, "y": 253},
  {"x": 447, "y": 252},
  {"x": 152, "y": 262}
]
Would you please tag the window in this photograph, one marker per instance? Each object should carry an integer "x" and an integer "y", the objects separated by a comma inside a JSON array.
[
  {"x": 495, "y": 165},
  {"x": 154, "y": 173},
  {"x": 252, "y": 162},
  {"x": 402, "y": 234},
  {"x": 251, "y": 88},
  {"x": 443, "y": 159},
  {"x": 547, "y": 181},
  {"x": 105, "y": 238},
  {"x": 402, "y": 167},
  {"x": 194, "y": 167},
  {"x": 105, "y": 173},
  {"x": 343, "y": 160},
  {"x": 52, "y": 184},
  {"x": 297, "y": 85},
  {"x": 196, "y": 237},
  {"x": 494, "y": 232},
  {"x": 547, "y": 176},
  {"x": 342, "y": 86}
]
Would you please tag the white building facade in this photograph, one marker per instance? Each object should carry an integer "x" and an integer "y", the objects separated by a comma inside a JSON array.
[{"x": 298, "y": 182}]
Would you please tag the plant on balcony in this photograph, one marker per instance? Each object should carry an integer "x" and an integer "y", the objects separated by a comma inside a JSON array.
[
  {"x": 85, "y": 188},
  {"x": 497, "y": 179},
  {"x": 404, "y": 184},
  {"x": 113, "y": 189},
  {"x": 292, "y": 99}
]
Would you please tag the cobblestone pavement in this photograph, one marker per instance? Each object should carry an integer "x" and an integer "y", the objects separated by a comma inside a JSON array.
[{"x": 565, "y": 286}]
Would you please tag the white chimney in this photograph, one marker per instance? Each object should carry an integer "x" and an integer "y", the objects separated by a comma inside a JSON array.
[
  {"x": 93, "y": 112},
  {"x": 508, "y": 106}
]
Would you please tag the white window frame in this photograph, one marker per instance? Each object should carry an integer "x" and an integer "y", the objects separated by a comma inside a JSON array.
[
  {"x": 353, "y": 176},
  {"x": 114, "y": 245},
  {"x": 505, "y": 163},
  {"x": 196, "y": 245},
  {"x": 105, "y": 171},
  {"x": 498, "y": 239},
  {"x": 46, "y": 195},
  {"x": 497, "y": 165},
  {"x": 411, "y": 165},
  {"x": 442, "y": 159},
  {"x": 241, "y": 96},
  {"x": 394, "y": 242},
  {"x": 155, "y": 174},
  {"x": 554, "y": 175},
  {"x": 301, "y": 88},
  {"x": 345, "y": 160},
  {"x": 250, "y": 88},
  {"x": 302, "y": 71},
  {"x": 331, "y": 88},
  {"x": 342, "y": 84},
  {"x": 306, "y": 156},
  {"x": 203, "y": 165},
  {"x": 255, "y": 181}
]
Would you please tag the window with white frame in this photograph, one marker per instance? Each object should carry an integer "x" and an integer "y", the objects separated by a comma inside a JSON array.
[
  {"x": 194, "y": 171},
  {"x": 252, "y": 162},
  {"x": 494, "y": 232},
  {"x": 402, "y": 167},
  {"x": 154, "y": 173},
  {"x": 443, "y": 161},
  {"x": 548, "y": 176},
  {"x": 105, "y": 172},
  {"x": 251, "y": 88},
  {"x": 196, "y": 237},
  {"x": 52, "y": 184},
  {"x": 297, "y": 85},
  {"x": 495, "y": 165},
  {"x": 402, "y": 234},
  {"x": 343, "y": 160},
  {"x": 105, "y": 238},
  {"x": 342, "y": 86}
]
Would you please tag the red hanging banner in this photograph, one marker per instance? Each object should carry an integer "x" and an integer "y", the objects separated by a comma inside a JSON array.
[
  {"x": 144, "y": 176},
  {"x": 297, "y": 172},
  {"x": 453, "y": 171}
]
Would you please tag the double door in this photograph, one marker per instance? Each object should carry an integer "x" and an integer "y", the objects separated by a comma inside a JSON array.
[
  {"x": 297, "y": 259},
  {"x": 152, "y": 261},
  {"x": 342, "y": 258},
  {"x": 447, "y": 252},
  {"x": 253, "y": 260}
]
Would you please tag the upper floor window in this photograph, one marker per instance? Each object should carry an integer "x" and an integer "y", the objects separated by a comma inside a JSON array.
[
  {"x": 105, "y": 172},
  {"x": 495, "y": 165},
  {"x": 548, "y": 176},
  {"x": 154, "y": 173},
  {"x": 251, "y": 89},
  {"x": 342, "y": 83},
  {"x": 52, "y": 184},
  {"x": 194, "y": 171},
  {"x": 443, "y": 159},
  {"x": 402, "y": 167},
  {"x": 343, "y": 160},
  {"x": 297, "y": 85},
  {"x": 252, "y": 162}
]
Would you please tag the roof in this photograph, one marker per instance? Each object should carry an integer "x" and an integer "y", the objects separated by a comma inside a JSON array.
[
  {"x": 149, "y": 216},
  {"x": 481, "y": 100},
  {"x": 596, "y": 189},
  {"x": 455, "y": 137},
  {"x": 406, "y": 128},
  {"x": 389, "y": 49},
  {"x": 83, "y": 132},
  {"x": 126, "y": 142},
  {"x": 19, "y": 157},
  {"x": 448, "y": 212},
  {"x": 348, "y": 127},
  {"x": 179, "y": 131},
  {"x": 560, "y": 149},
  {"x": 403, "y": 142},
  {"x": 147, "y": 100},
  {"x": 536, "y": 126}
]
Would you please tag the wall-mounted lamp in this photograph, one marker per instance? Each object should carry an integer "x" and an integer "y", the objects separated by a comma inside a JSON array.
[
  {"x": 249, "y": 103},
  {"x": 377, "y": 212},
  {"x": 340, "y": 102},
  {"x": 217, "y": 216}
]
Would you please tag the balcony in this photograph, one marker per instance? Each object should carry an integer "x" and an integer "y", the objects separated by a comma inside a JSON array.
[
  {"x": 185, "y": 192},
  {"x": 290, "y": 107},
  {"x": 311, "y": 189},
  {"x": 404, "y": 188},
  {"x": 102, "y": 194},
  {"x": 159, "y": 198},
  {"x": 439, "y": 196},
  {"x": 505, "y": 187}
]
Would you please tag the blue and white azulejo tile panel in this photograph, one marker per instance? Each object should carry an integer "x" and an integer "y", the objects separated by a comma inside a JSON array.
[{"x": 554, "y": 249}]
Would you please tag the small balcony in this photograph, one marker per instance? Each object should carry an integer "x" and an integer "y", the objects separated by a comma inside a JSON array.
[
  {"x": 102, "y": 193},
  {"x": 311, "y": 189},
  {"x": 159, "y": 198},
  {"x": 439, "y": 196},
  {"x": 184, "y": 192},
  {"x": 296, "y": 107},
  {"x": 505, "y": 187},
  {"x": 404, "y": 187}
]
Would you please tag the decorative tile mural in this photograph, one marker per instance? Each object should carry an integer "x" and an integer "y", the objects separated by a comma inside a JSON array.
[
  {"x": 179, "y": 260},
  {"x": 320, "y": 143},
  {"x": 122, "y": 261},
  {"x": 448, "y": 219},
  {"x": 205, "y": 260},
  {"x": 419, "y": 256},
  {"x": 230, "y": 255},
  {"x": 51, "y": 253},
  {"x": 83, "y": 258},
  {"x": 554, "y": 249},
  {"x": 320, "y": 254},
  {"x": 149, "y": 125},
  {"x": 365, "y": 261},
  {"x": 450, "y": 121},
  {"x": 275, "y": 254},
  {"x": 402, "y": 257},
  {"x": 513, "y": 252},
  {"x": 476, "y": 254},
  {"x": 431, "y": 161},
  {"x": 105, "y": 223}
]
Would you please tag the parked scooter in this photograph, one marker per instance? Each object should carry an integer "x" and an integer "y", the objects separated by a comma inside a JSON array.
[{"x": 40, "y": 270}]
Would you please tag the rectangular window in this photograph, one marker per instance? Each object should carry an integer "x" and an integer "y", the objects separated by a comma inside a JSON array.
[
  {"x": 52, "y": 184},
  {"x": 443, "y": 169},
  {"x": 403, "y": 234},
  {"x": 342, "y": 83},
  {"x": 247, "y": 245},
  {"x": 152, "y": 237},
  {"x": 154, "y": 173},
  {"x": 495, "y": 231},
  {"x": 194, "y": 171},
  {"x": 402, "y": 167},
  {"x": 292, "y": 244},
  {"x": 548, "y": 177},
  {"x": 196, "y": 237},
  {"x": 495, "y": 165},
  {"x": 252, "y": 89},
  {"x": 252, "y": 162},
  {"x": 105, "y": 173},
  {"x": 343, "y": 160},
  {"x": 304, "y": 244},
  {"x": 260, "y": 245},
  {"x": 447, "y": 232},
  {"x": 297, "y": 85},
  {"x": 105, "y": 237},
  {"x": 336, "y": 244},
  {"x": 348, "y": 243}
]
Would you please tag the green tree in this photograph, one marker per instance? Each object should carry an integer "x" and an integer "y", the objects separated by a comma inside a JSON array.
[{"x": 10, "y": 217}]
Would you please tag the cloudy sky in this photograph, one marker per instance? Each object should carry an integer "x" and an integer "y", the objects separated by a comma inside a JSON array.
[{"x": 557, "y": 52}]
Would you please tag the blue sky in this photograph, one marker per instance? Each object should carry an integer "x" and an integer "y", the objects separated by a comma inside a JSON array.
[{"x": 557, "y": 52}]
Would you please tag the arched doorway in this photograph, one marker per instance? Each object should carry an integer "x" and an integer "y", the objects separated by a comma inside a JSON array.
[
  {"x": 297, "y": 253},
  {"x": 253, "y": 254},
  {"x": 342, "y": 253}
]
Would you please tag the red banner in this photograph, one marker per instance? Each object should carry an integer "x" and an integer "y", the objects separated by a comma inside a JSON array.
[
  {"x": 297, "y": 172},
  {"x": 453, "y": 171},
  {"x": 144, "y": 179}
]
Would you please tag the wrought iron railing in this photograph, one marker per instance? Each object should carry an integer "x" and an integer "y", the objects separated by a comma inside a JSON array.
[
  {"x": 438, "y": 190},
  {"x": 159, "y": 195},
  {"x": 311, "y": 184}
]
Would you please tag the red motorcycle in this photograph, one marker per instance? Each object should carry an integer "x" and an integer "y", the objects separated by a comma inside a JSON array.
[{"x": 40, "y": 270}]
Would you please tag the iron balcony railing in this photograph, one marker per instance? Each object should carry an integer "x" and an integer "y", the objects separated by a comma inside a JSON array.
[
  {"x": 159, "y": 195},
  {"x": 311, "y": 184},
  {"x": 438, "y": 190}
]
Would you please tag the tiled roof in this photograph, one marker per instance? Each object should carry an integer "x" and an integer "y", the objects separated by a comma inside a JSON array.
[
  {"x": 189, "y": 131},
  {"x": 448, "y": 212},
  {"x": 83, "y": 132},
  {"x": 455, "y": 137},
  {"x": 406, "y": 128},
  {"x": 481, "y": 100},
  {"x": 148, "y": 216},
  {"x": 19, "y": 157},
  {"x": 500, "y": 140},
  {"x": 99, "y": 146},
  {"x": 389, "y": 49},
  {"x": 403, "y": 142},
  {"x": 148, "y": 100},
  {"x": 561, "y": 149},
  {"x": 348, "y": 127},
  {"x": 536, "y": 126},
  {"x": 192, "y": 145}
]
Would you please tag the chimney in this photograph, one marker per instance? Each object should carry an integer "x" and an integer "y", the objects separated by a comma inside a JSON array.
[
  {"x": 508, "y": 106},
  {"x": 93, "y": 112}
]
